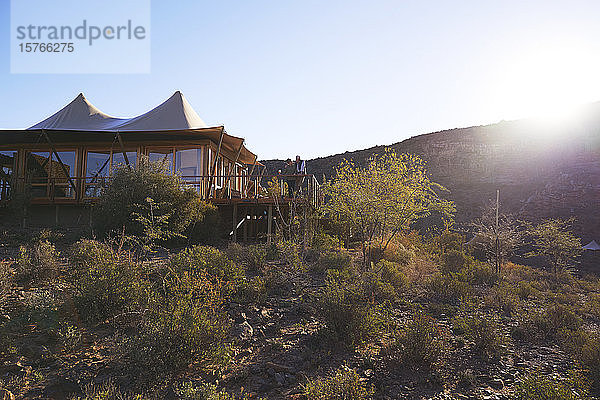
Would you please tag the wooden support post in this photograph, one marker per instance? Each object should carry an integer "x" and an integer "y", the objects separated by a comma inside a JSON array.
[
  {"x": 237, "y": 156},
  {"x": 246, "y": 226},
  {"x": 250, "y": 176},
  {"x": 235, "y": 222},
  {"x": 123, "y": 150},
  {"x": 270, "y": 224},
  {"x": 56, "y": 215},
  {"x": 210, "y": 180},
  {"x": 65, "y": 171}
]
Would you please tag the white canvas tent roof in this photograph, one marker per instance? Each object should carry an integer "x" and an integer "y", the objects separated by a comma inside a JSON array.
[
  {"x": 174, "y": 114},
  {"x": 592, "y": 246},
  {"x": 173, "y": 117}
]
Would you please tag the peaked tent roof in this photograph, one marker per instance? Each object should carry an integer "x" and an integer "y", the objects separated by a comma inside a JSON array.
[
  {"x": 174, "y": 118},
  {"x": 175, "y": 113},
  {"x": 592, "y": 246}
]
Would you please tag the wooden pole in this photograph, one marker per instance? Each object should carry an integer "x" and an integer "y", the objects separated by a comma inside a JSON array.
[
  {"x": 235, "y": 222},
  {"x": 250, "y": 175},
  {"x": 270, "y": 224},
  {"x": 123, "y": 150},
  {"x": 210, "y": 180},
  {"x": 497, "y": 233}
]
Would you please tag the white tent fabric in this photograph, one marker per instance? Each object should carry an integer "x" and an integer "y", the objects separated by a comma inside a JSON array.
[
  {"x": 174, "y": 114},
  {"x": 592, "y": 246}
]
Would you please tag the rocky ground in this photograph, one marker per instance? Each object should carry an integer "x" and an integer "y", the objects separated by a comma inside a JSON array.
[{"x": 280, "y": 342}]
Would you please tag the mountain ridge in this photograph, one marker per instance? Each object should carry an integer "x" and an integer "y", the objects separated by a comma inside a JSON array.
[{"x": 543, "y": 170}]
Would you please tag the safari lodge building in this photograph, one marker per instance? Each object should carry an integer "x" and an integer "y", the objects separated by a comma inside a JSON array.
[{"x": 61, "y": 164}]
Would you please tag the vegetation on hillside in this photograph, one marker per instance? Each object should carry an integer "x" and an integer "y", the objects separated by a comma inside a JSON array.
[{"x": 422, "y": 316}]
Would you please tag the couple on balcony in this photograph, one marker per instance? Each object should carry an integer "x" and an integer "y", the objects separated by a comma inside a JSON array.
[{"x": 294, "y": 172}]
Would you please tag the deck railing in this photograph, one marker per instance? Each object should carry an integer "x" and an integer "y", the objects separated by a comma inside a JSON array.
[{"x": 213, "y": 188}]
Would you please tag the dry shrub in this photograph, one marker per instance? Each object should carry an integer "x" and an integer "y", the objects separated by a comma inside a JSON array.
[
  {"x": 349, "y": 315},
  {"x": 485, "y": 332},
  {"x": 554, "y": 323},
  {"x": 184, "y": 323},
  {"x": 344, "y": 383},
  {"x": 538, "y": 386},
  {"x": 419, "y": 269},
  {"x": 448, "y": 289},
  {"x": 504, "y": 299},
  {"x": 36, "y": 263},
  {"x": 417, "y": 346}
]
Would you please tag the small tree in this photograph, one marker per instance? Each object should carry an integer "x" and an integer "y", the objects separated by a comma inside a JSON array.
[
  {"x": 383, "y": 198},
  {"x": 498, "y": 242},
  {"x": 554, "y": 240},
  {"x": 145, "y": 201}
]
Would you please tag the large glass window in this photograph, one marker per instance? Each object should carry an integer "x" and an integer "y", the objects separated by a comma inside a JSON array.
[
  {"x": 8, "y": 162},
  {"x": 164, "y": 156},
  {"x": 46, "y": 175},
  {"x": 188, "y": 162},
  {"x": 118, "y": 159},
  {"x": 61, "y": 174},
  {"x": 38, "y": 172},
  {"x": 97, "y": 168}
]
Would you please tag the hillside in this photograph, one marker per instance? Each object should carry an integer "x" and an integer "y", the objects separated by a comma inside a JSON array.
[{"x": 542, "y": 170}]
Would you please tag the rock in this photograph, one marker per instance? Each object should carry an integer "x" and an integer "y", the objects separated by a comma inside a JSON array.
[
  {"x": 62, "y": 388},
  {"x": 244, "y": 331},
  {"x": 279, "y": 378},
  {"x": 497, "y": 384}
]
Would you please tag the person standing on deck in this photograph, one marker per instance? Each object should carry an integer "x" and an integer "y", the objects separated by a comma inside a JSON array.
[
  {"x": 301, "y": 171},
  {"x": 288, "y": 172}
]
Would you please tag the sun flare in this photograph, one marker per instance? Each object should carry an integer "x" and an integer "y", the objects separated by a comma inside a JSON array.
[{"x": 550, "y": 83}]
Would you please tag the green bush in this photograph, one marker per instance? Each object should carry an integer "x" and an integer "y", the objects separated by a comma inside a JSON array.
[
  {"x": 41, "y": 308},
  {"x": 85, "y": 253},
  {"x": 205, "y": 226},
  {"x": 349, "y": 316},
  {"x": 448, "y": 289},
  {"x": 554, "y": 323},
  {"x": 478, "y": 273},
  {"x": 396, "y": 252},
  {"x": 289, "y": 253},
  {"x": 342, "y": 384},
  {"x": 209, "y": 259},
  {"x": 484, "y": 331},
  {"x": 323, "y": 241},
  {"x": 537, "y": 386},
  {"x": 449, "y": 241},
  {"x": 502, "y": 298},
  {"x": 334, "y": 260},
  {"x": 585, "y": 348},
  {"x": 454, "y": 261},
  {"x": 203, "y": 391},
  {"x": 185, "y": 322},
  {"x": 384, "y": 281},
  {"x": 252, "y": 257},
  {"x": 106, "y": 283},
  {"x": 127, "y": 195},
  {"x": 252, "y": 290},
  {"x": 105, "y": 391},
  {"x": 525, "y": 290},
  {"x": 277, "y": 282},
  {"x": 6, "y": 280},
  {"x": 417, "y": 346},
  {"x": 36, "y": 262}
]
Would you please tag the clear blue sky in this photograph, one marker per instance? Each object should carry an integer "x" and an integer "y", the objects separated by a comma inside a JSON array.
[{"x": 317, "y": 77}]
